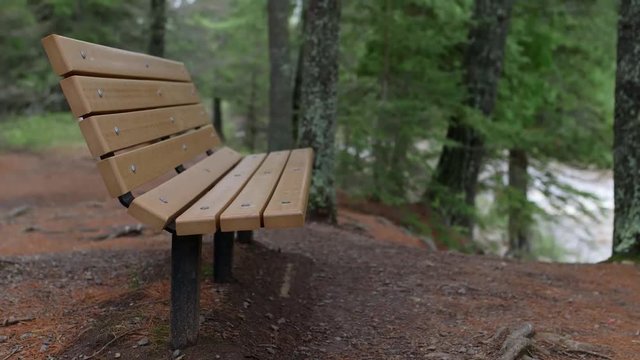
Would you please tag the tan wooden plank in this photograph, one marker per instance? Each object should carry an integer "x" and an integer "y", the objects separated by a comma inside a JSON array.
[
  {"x": 112, "y": 132},
  {"x": 288, "y": 205},
  {"x": 89, "y": 95},
  {"x": 124, "y": 172},
  {"x": 162, "y": 204},
  {"x": 69, "y": 56},
  {"x": 245, "y": 212},
  {"x": 203, "y": 216}
]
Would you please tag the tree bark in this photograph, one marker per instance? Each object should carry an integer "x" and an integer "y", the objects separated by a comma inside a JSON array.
[
  {"x": 456, "y": 176},
  {"x": 280, "y": 91},
  {"x": 251, "y": 126},
  {"x": 217, "y": 116},
  {"x": 297, "y": 83},
  {"x": 519, "y": 213},
  {"x": 158, "y": 23},
  {"x": 319, "y": 102},
  {"x": 626, "y": 151}
]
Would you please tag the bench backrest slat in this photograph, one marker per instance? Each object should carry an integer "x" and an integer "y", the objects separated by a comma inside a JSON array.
[
  {"x": 140, "y": 114},
  {"x": 126, "y": 171},
  {"x": 75, "y": 57},
  {"x": 113, "y": 132},
  {"x": 90, "y": 95}
]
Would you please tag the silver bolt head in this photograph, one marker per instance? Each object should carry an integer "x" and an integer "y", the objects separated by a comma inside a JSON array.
[
  {"x": 133, "y": 168},
  {"x": 116, "y": 130},
  {"x": 172, "y": 119},
  {"x": 100, "y": 92},
  {"x": 83, "y": 54},
  {"x": 184, "y": 147}
]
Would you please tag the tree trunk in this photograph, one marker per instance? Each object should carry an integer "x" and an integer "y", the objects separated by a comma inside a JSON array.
[
  {"x": 158, "y": 22},
  {"x": 519, "y": 214},
  {"x": 252, "y": 120},
  {"x": 456, "y": 176},
  {"x": 626, "y": 147},
  {"x": 280, "y": 92},
  {"x": 319, "y": 102},
  {"x": 297, "y": 83},
  {"x": 217, "y": 117}
]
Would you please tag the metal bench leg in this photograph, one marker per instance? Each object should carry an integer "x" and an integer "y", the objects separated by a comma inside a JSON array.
[
  {"x": 245, "y": 237},
  {"x": 185, "y": 289},
  {"x": 222, "y": 257}
]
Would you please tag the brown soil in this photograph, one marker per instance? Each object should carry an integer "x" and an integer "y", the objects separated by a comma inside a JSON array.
[{"x": 366, "y": 289}]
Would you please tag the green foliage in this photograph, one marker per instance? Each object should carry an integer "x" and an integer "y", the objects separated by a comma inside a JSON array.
[{"x": 39, "y": 132}]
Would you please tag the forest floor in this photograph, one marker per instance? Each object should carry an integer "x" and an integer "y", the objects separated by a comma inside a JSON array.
[{"x": 74, "y": 286}]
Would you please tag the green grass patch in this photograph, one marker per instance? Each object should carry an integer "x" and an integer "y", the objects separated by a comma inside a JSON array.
[{"x": 38, "y": 132}]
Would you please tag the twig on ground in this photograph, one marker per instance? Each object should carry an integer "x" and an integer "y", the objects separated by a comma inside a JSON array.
[
  {"x": 517, "y": 343},
  {"x": 128, "y": 332},
  {"x": 12, "y": 320},
  {"x": 15, "y": 350}
]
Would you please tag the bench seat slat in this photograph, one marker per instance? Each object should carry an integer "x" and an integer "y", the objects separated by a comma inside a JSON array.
[
  {"x": 162, "y": 204},
  {"x": 124, "y": 172},
  {"x": 288, "y": 205},
  {"x": 91, "y": 95},
  {"x": 203, "y": 216},
  {"x": 245, "y": 212},
  {"x": 69, "y": 56},
  {"x": 112, "y": 132}
]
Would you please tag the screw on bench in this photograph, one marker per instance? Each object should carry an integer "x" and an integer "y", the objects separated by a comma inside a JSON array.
[
  {"x": 83, "y": 54},
  {"x": 116, "y": 130},
  {"x": 100, "y": 92}
]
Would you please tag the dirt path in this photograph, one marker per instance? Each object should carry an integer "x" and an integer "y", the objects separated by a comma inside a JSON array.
[{"x": 365, "y": 290}]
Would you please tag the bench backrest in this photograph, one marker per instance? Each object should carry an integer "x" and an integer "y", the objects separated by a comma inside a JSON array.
[{"x": 140, "y": 114}]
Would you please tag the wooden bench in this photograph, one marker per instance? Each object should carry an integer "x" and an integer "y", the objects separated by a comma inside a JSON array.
[{"x": 141, "y": 117}]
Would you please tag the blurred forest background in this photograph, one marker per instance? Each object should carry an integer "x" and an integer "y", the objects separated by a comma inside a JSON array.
[{"x": 401, "y": 82}]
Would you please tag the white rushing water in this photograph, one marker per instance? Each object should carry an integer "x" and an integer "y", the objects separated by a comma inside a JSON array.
[{"x": 579, "y": 237}]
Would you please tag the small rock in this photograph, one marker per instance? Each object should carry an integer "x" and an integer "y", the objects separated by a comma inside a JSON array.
[
  {"x": 274, "y": 328},
  {"x": 3, "y": 339},
  {"x": 241, "y": 316},
  {"x": 25, "y": 336},
  {"x": 271, "y": 351},
  {"x": 176, "y": 353},
  {"x": 18, "y": 211},
  {"x": 269, "y": 315},
  {"x": 117, "y": 356},
  {"x": 143, "y": 342},
  {"x": 281, "y": 321},
  {"x": 44, "y": 348},
  {"x": 246, "y": 304}
]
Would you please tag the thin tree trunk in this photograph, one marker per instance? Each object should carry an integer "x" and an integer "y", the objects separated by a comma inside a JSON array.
[
  {"x": 158, "y": 23},
  {"x": 297, "y": 84},
  {"x": 319, "y": 102},
  {"x": 280, "y": 92},
  {"x": 626, "y": 148},
  {"x": 217, "y": 117},
  {"x": 519, "y": 214},
  {"x": 252, "y": 120},
  {"x": 456, "y": 176}
]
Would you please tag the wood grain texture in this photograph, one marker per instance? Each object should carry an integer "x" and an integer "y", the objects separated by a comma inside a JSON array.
[
  {"x": 204, "y": 215},
  {"x": 288, "y": 205},
  {"x": 164, "y": 203},
  {"x": 245, "y": 212},
  {"x": 123, "y": 172},
  {"x": 91, "y": 95},
  {"x": 74, "y": 57},
  {"x": 112, "y": 132}
]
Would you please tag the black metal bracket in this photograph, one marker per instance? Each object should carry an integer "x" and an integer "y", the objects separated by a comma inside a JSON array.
[
  {"x": 126, "y": 199},
  {"x": 180, "y": 168},
  {"x": 209, "y": 152}
]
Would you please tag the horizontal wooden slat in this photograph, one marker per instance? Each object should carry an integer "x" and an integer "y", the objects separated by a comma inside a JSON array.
[
  {"x": 162, "y": 204},
  {"x": 288, "y": 205},
  {"x": 124, "y": 172},
  {"x": 90, "y": 95},
  {"x": 245, "y": 212},
  {"x": 112, "y": 132},
  {"x": 203, "y": 216},
  {"x": 70, "y": 56}
]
